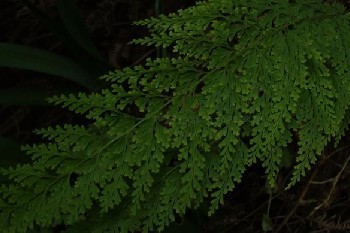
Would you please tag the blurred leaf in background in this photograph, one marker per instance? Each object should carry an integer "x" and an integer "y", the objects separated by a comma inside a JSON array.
[
  {"x": 24, "y": 57},
  {"x": 83, "y": 67}
]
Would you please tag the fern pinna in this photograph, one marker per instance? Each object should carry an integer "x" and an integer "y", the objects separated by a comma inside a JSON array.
[{"x": 244, "y": 76}]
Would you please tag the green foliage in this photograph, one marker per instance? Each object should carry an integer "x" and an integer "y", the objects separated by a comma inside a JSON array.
[
  {"x": 180, "y": 131},
  {"x": 25, "y": 57},
  {"x": 83, "y": 69}
]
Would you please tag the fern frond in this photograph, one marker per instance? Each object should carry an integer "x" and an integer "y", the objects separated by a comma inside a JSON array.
[{"x": 179, "y": 131}]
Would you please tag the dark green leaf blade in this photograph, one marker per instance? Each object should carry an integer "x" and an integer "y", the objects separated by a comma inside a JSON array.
[{"x": 24, "y": 57}]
